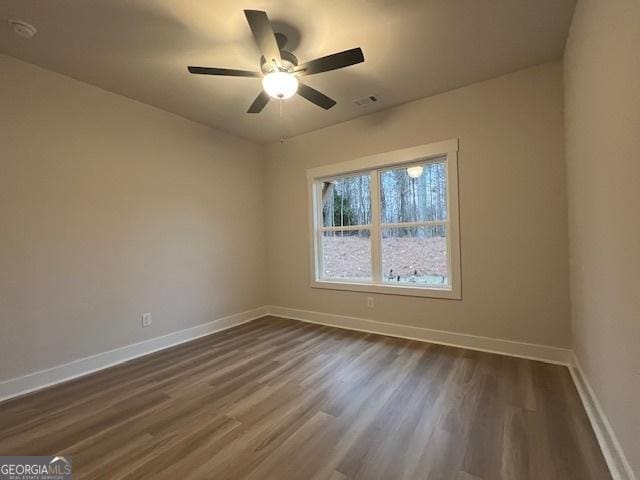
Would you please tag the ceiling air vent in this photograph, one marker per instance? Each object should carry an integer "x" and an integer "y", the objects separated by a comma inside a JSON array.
[{"x": 364, "y": 101}]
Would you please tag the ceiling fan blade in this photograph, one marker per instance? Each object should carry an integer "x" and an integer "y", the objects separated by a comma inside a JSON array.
[
  {"x": 259, "y": 103},
  {"x": 314, "y": 96},
  {"x": 331, "y": 62},
  {"x": 228, "y": 72},
  {"x": 263, "y": 35}
]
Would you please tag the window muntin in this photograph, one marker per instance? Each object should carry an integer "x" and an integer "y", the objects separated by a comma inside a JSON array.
[{"x": 420, "y": 244}]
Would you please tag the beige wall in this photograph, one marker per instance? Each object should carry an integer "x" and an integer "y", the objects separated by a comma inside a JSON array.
[
  {"x": 110, "y": 208},
  {"x": 602, "y": 81},
  {"x": 512, "y": 202}
]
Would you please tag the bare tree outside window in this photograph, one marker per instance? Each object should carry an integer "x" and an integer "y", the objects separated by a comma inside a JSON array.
[
  {"x": 414, "y": 248},
  {"x": 346, "y": 203},
  {"x": 413, "y": 237}
]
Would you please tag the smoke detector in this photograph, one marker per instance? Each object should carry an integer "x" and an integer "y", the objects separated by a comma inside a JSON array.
[{"x": 23, "y": 29}]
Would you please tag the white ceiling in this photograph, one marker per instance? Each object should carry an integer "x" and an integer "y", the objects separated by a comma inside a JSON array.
[{"x": 412, "y": 48}]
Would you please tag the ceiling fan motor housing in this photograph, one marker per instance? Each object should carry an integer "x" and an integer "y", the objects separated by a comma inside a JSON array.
[{"x": 289, "y": 62}]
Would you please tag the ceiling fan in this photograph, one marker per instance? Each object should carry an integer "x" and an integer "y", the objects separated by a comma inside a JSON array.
[{"x": 279, "y": 68}]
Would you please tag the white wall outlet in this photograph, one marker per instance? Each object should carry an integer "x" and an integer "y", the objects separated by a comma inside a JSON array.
[
  {"x": 370, "y": 302},
  {"x": 146, "y": 320}
]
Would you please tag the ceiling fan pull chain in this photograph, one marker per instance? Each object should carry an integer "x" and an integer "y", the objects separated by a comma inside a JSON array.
[{"x": 281, "y": 121}]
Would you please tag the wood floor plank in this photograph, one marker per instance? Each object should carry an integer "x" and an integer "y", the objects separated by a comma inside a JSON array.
[{"x": 281, "y": 399}]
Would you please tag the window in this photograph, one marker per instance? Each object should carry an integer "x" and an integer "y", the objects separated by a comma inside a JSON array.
[{"x": 388, "y": 223}]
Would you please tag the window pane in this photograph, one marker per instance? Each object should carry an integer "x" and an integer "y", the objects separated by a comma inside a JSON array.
[
  {"x": 346, "y": 255},
  {"x": 415, "y": 255},
  {"x": 404, "y": 198},
  {"x": 346, "y": 201}
]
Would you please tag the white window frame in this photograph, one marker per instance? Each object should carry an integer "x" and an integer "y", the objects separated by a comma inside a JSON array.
[{"x": 447, "y": 150}]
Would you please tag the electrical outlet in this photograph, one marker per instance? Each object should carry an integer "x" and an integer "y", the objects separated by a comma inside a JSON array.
[
  {"x": 370, "y": 302},
  {"x": 146, "y": 320}
]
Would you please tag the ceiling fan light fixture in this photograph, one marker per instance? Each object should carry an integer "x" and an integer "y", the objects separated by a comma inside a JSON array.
[{"x": 280, "y": 85}]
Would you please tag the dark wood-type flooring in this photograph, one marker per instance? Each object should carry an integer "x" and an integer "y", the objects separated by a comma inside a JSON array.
[{"x": 281, "y": 399}]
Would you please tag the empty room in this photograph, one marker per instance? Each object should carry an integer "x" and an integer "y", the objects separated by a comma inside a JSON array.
[{"x": 328, "y": 240}]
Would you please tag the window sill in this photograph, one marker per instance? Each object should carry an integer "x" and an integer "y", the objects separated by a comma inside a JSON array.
[{"x": 428, "y": 292}]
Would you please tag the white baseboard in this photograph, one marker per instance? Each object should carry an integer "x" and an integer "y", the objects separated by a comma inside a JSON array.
[
  {"x": 544, "y": 353},
  {"x": 84, "y": 366},
  {"x": 614, "y": 455}
]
